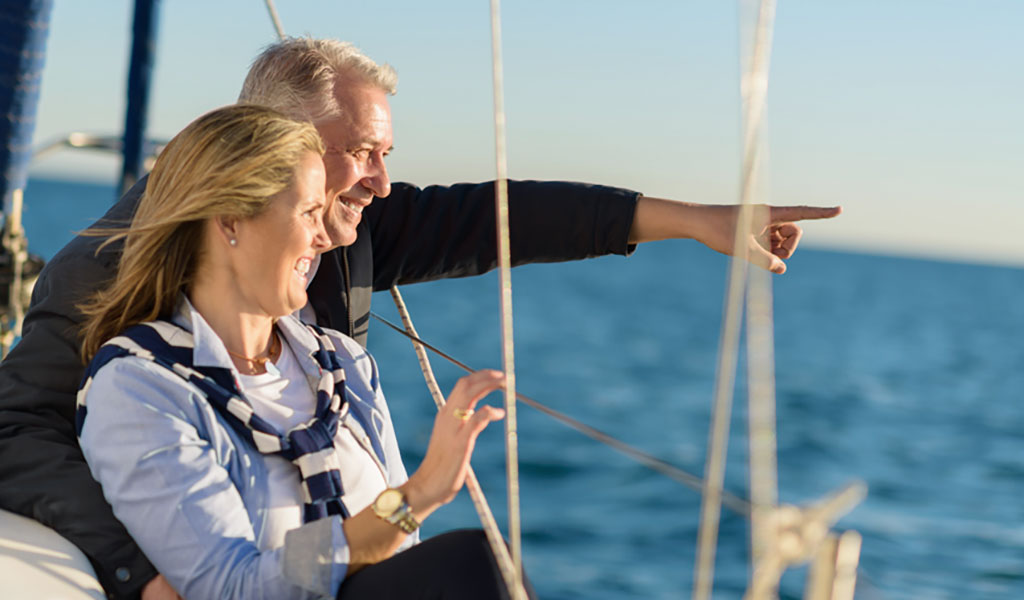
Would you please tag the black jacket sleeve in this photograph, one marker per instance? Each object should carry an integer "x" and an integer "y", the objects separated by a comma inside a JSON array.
[
  {"x": 449, "y": 231},
  {"x": 43, "y": 474}
]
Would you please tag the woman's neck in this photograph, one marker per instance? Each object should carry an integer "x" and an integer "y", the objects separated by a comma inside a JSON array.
[{"x": 244, "y": 333}]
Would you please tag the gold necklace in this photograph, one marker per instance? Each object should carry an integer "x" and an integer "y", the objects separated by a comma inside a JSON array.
[{"x": 260, "y": 362}]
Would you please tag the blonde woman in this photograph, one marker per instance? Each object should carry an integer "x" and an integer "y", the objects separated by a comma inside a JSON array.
[{"x": 248, "y": 454}]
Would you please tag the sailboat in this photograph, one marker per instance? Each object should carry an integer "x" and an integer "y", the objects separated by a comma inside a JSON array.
[{"x": 67, "y": 567}]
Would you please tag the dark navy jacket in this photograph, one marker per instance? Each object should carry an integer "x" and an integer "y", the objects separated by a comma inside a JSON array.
[{"x": 412, "y": 235}]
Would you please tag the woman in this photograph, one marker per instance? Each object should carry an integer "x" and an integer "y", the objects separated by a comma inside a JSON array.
[{"x": 248, "y": 454}]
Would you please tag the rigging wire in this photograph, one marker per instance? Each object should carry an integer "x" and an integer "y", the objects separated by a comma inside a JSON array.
[
  {"x": 505, "y": 291},
  {"x": 730, "y": 500},
  {"x": 761, "y": 436},
  {"x": 494, "y": 538},
  {"x": 753, "y": 90},
  {"x": 275, "y": 19}
]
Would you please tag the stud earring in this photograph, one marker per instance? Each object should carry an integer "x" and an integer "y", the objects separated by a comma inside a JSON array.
[{"x": 233, "y": 242}]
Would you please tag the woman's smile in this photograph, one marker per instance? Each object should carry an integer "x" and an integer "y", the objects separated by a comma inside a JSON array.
[{"x": 302, "y": 268}]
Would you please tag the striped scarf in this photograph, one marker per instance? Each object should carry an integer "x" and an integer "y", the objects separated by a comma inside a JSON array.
[{"x": 310, "y": 446}]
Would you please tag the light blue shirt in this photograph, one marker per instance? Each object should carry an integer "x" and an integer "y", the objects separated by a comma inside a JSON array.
[{"x": 193, "y": 493}]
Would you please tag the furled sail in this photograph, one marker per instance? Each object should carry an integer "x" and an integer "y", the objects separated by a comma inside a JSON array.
[{"x": 24, "y": 25}]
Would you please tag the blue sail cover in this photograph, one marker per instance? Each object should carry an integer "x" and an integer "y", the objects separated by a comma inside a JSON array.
[
  {"x": 140, "y": 74},
  {"x": 24, "y": 25}
]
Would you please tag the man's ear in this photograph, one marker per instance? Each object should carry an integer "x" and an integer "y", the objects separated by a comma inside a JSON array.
[{"x": 227, "y": 228}]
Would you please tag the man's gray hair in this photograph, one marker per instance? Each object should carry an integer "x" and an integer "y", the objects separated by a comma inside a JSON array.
[{"x": 297, "y": 76}]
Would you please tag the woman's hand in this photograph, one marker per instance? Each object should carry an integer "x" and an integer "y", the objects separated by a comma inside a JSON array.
[
  {"x": 456, "y": 427},
  {"x": 440, "y": 476},
  {"x": 159, "y": 588}
]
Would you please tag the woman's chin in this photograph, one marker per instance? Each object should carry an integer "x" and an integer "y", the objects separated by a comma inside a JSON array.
[{"x": 296, "y": 301}]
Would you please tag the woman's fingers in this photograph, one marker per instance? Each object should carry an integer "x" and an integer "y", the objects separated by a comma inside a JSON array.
[
  {"x": 468, "y": 391},
  {"x": 483, "y": 417},
  {"x": 443, "y": 470},
  {"x": 472, "y": 388}
]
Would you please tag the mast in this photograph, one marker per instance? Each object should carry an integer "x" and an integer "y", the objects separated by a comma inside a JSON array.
[
  {"x": 140, "y": 71},
  {"x": 24, "y": 26}
]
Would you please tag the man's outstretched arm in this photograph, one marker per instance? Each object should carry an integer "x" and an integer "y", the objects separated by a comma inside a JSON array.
[
  {"x": 449, "y": 231},
  {"x": 774, "y": 238},
  {"x": 436, "y": 232}
]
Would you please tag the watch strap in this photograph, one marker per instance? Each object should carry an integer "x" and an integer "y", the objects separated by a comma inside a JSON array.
[{"x": 403, "y": 518}]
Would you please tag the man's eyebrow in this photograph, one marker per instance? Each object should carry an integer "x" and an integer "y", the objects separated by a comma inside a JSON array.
[{"x": 373, "y": 144}]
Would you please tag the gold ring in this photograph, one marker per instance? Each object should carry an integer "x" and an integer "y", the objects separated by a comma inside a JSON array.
[{"x": 463, "y": 414}]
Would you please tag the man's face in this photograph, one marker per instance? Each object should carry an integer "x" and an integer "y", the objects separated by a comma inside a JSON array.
[{"x": 357, "y": 141}]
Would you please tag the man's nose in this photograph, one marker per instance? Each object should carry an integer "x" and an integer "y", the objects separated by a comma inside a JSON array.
[{"x": 376, "y": 179}]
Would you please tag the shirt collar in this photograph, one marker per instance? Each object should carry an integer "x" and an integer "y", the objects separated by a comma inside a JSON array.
[{"x": 208, "y": 349}]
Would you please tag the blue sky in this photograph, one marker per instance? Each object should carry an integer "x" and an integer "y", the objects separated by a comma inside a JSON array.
[{"x": 905, "y": 112}]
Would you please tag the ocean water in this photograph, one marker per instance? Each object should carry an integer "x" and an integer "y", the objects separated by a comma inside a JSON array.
[{"x": 905, "y": 374}]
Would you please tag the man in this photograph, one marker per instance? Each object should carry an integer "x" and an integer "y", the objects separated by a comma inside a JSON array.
[{"x": 381, "y": 235}]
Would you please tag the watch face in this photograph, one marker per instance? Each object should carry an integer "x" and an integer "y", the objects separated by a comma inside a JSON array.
[{"x": 388, "y": 502}]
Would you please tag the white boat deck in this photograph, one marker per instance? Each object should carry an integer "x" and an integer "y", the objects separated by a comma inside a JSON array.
[{"x": 36, "y": 563}]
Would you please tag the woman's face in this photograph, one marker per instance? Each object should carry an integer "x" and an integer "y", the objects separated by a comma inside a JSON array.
[{"x": 275, "y": 249}]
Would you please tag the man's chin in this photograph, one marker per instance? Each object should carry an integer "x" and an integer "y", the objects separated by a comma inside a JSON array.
[{"x": 345, "y": 237}]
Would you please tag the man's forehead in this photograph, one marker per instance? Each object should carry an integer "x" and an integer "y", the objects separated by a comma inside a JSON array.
[
  {"x": 341, "y": 136},
  {"x": 364, "y": 118}
]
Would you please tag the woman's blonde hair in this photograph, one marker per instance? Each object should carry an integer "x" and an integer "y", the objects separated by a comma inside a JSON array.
[{"x": 228, "y": 163}]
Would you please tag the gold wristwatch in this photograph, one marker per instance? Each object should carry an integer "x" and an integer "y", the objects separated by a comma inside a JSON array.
[{"x": 391, "y": 506}]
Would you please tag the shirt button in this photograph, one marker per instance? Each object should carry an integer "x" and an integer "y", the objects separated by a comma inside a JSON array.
[{"x": 123, "y": 574}]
